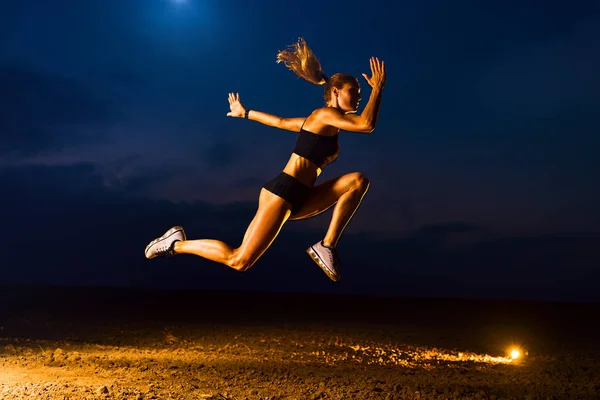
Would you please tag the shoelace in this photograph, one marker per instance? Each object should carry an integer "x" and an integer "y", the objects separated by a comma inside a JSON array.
[
  {"x": 164, "y": 252},
  {"x": 167, "y": 251},
  {"x": 333, "y": 256}
]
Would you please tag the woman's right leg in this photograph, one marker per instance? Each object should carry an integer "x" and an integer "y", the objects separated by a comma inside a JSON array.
[{"x": 272, "y": 213}]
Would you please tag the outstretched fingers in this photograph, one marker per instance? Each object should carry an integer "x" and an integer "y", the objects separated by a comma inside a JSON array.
[
  {"x": 377, "y": 72},
  {"x": 233, "y": 97},
  {"x": 378, "y": 68},
  {"x": 376, "y": 65}
]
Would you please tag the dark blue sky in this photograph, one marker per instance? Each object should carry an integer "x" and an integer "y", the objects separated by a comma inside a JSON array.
[{"x": 489, "y": 119}]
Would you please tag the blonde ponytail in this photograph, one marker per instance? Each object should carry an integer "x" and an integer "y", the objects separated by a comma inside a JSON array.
[{"x": 299, "y": 58}]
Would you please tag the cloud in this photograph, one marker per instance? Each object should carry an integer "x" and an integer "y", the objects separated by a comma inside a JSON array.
[
  {"x": 128, "y": 175},
  {"x": 450, "y": 235},
  {"x": 222, "y": 153},
  {"x": 45, "y": 112},
  {"x": 66, "y": 227}
]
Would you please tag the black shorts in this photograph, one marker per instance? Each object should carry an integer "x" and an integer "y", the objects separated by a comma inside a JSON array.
[{"x": 290, "y": 189}]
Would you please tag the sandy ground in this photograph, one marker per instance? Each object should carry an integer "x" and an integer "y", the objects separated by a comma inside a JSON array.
[{"x": 112, "y": 344}]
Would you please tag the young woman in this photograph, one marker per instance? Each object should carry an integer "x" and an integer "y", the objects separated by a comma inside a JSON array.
[{"x": 293, "y": 195}]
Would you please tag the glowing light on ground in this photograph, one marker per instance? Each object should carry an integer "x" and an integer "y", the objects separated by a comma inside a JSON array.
[
  {"x": 515, "y": 353},
  {"x": 406, "y": 356}
]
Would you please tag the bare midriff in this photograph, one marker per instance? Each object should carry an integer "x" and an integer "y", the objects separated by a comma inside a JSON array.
[{"x": 302, "y": 169}]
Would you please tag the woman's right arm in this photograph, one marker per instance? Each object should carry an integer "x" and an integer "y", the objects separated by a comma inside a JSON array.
[
  {"x": 363, "y": 123},
  {"x": 289, "y": 124},
  {"x": 366, "y": 121}
]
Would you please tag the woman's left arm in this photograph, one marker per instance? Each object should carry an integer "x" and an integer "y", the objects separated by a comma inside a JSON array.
[{"x": 239, "y": 111}]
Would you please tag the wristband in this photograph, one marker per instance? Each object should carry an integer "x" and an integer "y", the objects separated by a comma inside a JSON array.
[{"x": 246, "y": 114}]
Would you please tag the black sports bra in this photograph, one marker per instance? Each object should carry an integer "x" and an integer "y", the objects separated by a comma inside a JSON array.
[{"x": 319, "y": 149}]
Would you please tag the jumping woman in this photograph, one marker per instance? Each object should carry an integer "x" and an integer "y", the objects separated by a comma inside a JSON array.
[{"x": 293, "y": 195}]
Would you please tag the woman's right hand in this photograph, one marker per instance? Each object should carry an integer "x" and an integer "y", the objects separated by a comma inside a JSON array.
[
  {"x": 236, "y": 107},
  {"x": 377, "y": 79}
]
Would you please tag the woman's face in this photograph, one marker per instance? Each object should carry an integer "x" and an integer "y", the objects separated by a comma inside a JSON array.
[{"x": 349, "y": 97}]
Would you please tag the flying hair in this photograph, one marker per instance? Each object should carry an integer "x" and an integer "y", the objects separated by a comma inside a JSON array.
[{"x": 299, "y": 58}]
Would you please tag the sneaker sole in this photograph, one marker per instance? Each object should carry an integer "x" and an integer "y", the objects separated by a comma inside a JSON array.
[
  {"x": 167, "y": 235},
  {"x": 315, "y": 257}
]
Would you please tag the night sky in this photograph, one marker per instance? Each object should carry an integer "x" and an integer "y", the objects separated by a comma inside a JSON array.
[{"x": 484, "y": 164}]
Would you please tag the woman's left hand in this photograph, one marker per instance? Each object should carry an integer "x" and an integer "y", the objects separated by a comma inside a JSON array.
[{"x": 236, "y": 107}]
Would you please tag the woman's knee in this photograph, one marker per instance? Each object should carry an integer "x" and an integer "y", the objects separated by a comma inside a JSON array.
[
  {"x": 360, "y": 182},
  {"x": 240, "y": 261}
]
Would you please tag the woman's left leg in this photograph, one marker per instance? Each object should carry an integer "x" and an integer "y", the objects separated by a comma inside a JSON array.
[{"x": 346, "y": 192}]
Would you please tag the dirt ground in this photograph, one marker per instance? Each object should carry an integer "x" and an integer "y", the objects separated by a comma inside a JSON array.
[{"x": 58, "y": 343}]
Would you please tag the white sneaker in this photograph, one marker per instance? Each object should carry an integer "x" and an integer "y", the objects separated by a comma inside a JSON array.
[
  {"x": 163, "y": 246},
  {"x": 326, "y": 258}
]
